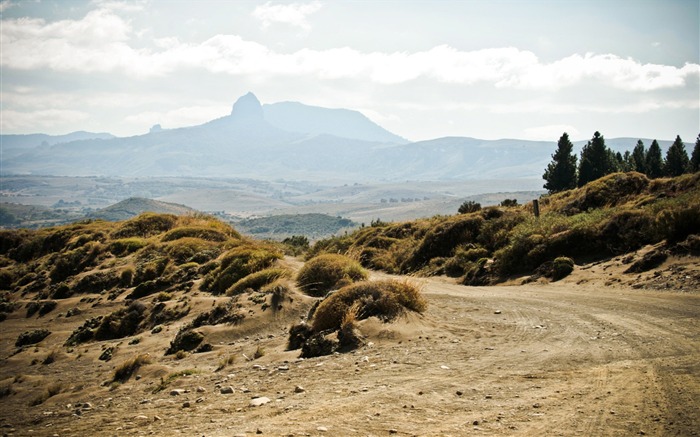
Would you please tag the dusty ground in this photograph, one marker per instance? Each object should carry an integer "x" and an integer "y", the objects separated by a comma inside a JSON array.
[{"x": 589, "y": 355}]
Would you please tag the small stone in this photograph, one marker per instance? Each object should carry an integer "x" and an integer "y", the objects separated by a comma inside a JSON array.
[
  {"x": 86, "y": 406},
  {"x": 536, "y": 405},
  {"x": 199, "y": 400},
  {"x": 299, "y": 389},
  {"x": 226, "y": 390},
  {"x": 283, "y": 368},
  {"x": 177, "y": 392},
  {"x": 157, "y": 418},
  {"x": 186, "y": 404},
  {"x": 256, "y": 402},
  {"x": 444, "y": 368},
  {"x": 141, "y": 417},
  {"x": 475, "y": 423},
  {"x": 497, "y": 312},
  {"x": 459, "y": 393},
  {"x": 201, "y": 389},
  {"x": 393, "y": 431},
  {"x": 322, "y": 429}
]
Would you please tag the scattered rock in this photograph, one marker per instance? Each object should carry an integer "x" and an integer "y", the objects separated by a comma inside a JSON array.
[
  {"x": 299, "y": 389},
  {"x": 497, "y": 312},
  {"x": 177, "y": 392},
  {"x": 226, "y": 390},
  {"x": 186, "y": 404},
  {"x": 322, "y": 429},
  {"x": 256, "y": 402}
]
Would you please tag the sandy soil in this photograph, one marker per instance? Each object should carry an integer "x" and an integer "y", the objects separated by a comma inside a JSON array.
[{"x": 584, "y": 356}]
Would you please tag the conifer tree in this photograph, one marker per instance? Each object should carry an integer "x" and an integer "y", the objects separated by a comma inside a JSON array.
[
  {"x": 654, "y": 161},
  {"x": 561, "y": 172},
  {"x": 596, "y": 160},
  {"x": 639, "y": 158},
  {"x": 676, "y": 159},
  {"x": 695, "y": 158}
]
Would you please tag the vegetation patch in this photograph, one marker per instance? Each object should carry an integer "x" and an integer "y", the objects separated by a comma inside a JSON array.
[
  {"x": 125, "y": 370},
  {"x": 32, "y": 337},
  {"x": 258, "y": 280}
]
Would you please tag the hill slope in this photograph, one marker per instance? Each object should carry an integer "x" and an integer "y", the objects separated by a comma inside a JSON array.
[{"x": 134, "y": 206}]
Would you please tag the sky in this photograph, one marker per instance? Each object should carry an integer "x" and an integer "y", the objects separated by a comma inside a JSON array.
[{"x": 490, "y": 69}]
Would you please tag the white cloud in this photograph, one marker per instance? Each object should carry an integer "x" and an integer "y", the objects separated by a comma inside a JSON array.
[
  {"x": 99, "y": 42},
  {"x": 5, "y": 5},
  {"x": 546, "y": 133},
  {"x": 39, "y": 120},
  {"x": 293, "y": 14}
]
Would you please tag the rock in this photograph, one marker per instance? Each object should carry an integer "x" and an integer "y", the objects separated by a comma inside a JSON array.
[
  {"x": 497, "y": 312},
  {"x": 186, "y": 404},
  {"x": 141, "y": 417},
  {"x": 201, "y": 389},
  {"x": 283, "y": 368},
  {"x": 256, "y": 402},
  {"x": 226, "y": 390},
  {"x": 86, "y": 406},
  {"x": 299, "y": 389},
  {"x": 177, "y": 392},
  {"x": 322, "y": 429},
  {"x": 157, "y": 418}
]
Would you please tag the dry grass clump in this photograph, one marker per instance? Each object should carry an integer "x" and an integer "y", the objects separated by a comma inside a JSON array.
[
  {"x": 145, "y": 225},
  {"x": 383, "y": 299},
  {"x": 129, "y": 367},
  {"x": 258, "y": 280},
  {"x": 237, "y": 263},
  {"x": 327, "y": 272},
  {"x": 32, "y": 337},
  {"x": 201, "y": 233}
]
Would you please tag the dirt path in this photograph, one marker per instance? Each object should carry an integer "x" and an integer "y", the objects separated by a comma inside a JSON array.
[{"x": 557, "y": 359}]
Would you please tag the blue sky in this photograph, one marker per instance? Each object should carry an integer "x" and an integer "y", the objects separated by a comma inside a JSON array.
[{"x": 422, "y": 69}]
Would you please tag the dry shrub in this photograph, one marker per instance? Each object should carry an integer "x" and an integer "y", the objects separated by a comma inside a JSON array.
[
  {"x": 126, "y": 246},
  {"x": 383, "y": 299},
  {"x": 238, "y": 263},
  {"x": 611, "y": 190},
  {"x": 185, "y": 340},
  {"x": 187, "y": 249},
  {"x": 145, "y": 225},
  {"x": 327, "y": 272},
  {"x": 258, "y": 280},
  {"x": 443, "y": 238},
  {"x": 32, "y": 337},
  {"x": 121, "y": 323},
  {"x": 202, "y": 233},
  {"x": 129, "y": 367}
]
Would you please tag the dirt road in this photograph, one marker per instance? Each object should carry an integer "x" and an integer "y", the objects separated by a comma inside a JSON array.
[{"x": 556, "y": 359}]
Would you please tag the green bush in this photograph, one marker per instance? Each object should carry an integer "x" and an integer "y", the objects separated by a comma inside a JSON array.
[
  {"x": 442, "y": 239},
  {"x": 257, "y": 280},
  {"x": 383, "y": 299},
  {"x": 469, "y": 206},
  {"x": 562, "y": 267},
  {"x": 326, "y": 272}
]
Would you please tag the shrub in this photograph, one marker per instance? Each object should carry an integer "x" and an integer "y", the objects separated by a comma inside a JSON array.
[
  {"x": 561, "y": 267},
  {"x": 121, "y": 323},
  {"x": 443, "y": 238},
  {"x": 468, "y": 207},
  {"x": 145, "y": 225},
  {"x": 32, "y": 337},
  {"x": 129, "y": 367},
  {"x": 185, "y": 340},
  {"x": 186, "y": 249},
  {"x": 201, "y": 233},
  {"x": 126, "y": 246},
  {"x": 72, "y": 262},
  {"x": 257, "y": 280},
  {"x": 97, "y": 282},
  {"x": 678, "y": 224},
  {"x": 383, "y": 299},
  {"x": 327, "y": 272},
  {"x": 238, "y": 263}
]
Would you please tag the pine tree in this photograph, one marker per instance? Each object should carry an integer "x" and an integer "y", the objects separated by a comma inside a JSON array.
[
  {"x": 561, "y": 172},
  {"x": 596, "y": 160},
  {"x": 695, "y": 158},
  {"x": 676, "y": 159},
  {"x": 654, "y": 161},
  {"x": 639, "y": 158}
]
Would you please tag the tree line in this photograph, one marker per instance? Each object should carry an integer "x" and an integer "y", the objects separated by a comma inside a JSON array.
[{"x": 597, "y": 160}]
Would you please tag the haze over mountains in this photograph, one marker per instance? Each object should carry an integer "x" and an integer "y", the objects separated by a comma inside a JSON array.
[{"x": 285, "y": 140}]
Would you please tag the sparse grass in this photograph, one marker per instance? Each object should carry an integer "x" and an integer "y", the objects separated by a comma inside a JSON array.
[
  {"x": 125, "y": 370},
  {"x": 225, "y": 362},
  {"x": 258, "y": 280},
  {"x": 49, "y": 391},
  {"x": 165, "y": 382},
  {"x": 326, "y": 272}
]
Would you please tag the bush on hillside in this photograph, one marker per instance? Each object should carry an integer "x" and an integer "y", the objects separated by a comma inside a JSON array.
[
  {"x": 383, "y": 299},
  {"x": 238, "y": 263},
  {"x": 145, "y": 225},
  {"x": 442, "y": 239},
  {"x": 201, "y": 233},
  {"x": 32, "y": 337},
  {"x": 258, "y": 280},
  {"x": 327, "y": 272}
]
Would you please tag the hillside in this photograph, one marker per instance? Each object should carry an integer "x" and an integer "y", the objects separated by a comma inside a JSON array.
[
  {"x": 166, "y": 324},
  {"x": 279, "y": 227}
]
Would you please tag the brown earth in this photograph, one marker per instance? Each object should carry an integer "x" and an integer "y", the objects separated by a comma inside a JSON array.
[{"x": 599, "y": 353}]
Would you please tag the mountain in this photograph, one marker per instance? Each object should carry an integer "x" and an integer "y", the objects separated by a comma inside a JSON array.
[
  {"x": 134, "y": 206},
  {"x": 289, "y": 141},
  {"x": 13, "y": 145}
]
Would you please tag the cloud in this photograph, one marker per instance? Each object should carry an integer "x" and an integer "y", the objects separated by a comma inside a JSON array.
[
  {"x": 293, "y": 14},
  {"x": 40, "y": 119},
  {"x": 5, "y": 5},
  {"x": 100, "y": 42}
]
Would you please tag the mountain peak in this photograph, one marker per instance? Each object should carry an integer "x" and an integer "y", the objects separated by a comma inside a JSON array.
[{"x": 247, "y": 107}]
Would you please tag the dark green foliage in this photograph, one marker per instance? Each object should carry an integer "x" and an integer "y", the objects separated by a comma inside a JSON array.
[
  {"x": 478, "y": 274},
  {"x": 72, "y": 262},
  {"x": 595, "y": 161},
  {"x": 297, "y": 244},
  {"x": 654, "y": 162},
  {"x": 677, "y": 161},
  {"x": 126, "y": 246},
  {"x": 441, "y": 240},
  {"x": 639, "y": 158},
  {"x": 468, "y": 207},
  {"x": 32, "y": 337},
  {"x": 561, "y": 267},
  {"x": 509, "y": 203},
  {"x": 145, "y": 225},
  {"x": 678, "y": 224},
  {"x": 97, "y": 282},
  {"x": 327, "y": 272},
  {"x": 560, "y": 174},
  {"x": 7, "y": 278},
  {"x": 695, "y": 157},
  {"x": 185, "y": 340},
  {"x": 121, "y": 323}
]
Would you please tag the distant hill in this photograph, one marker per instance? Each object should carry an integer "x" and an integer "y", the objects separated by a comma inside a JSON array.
[
  {"x": 134, "y": 206},
  {"x": 278, "y": 227},
  {"x": 290, "y": 141}
]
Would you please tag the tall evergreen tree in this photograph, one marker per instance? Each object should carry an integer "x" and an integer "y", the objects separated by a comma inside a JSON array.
[
  {"x": 596, "y": 160},
  {"x": 695, "y": 158},
  {"x": 561, "y": 172},
  {"x": 627, "y": 162},
  {"x": 654, "y": 161},
  {"x": 676, "y": 159},
  {"x": 639, "y": 157}
]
